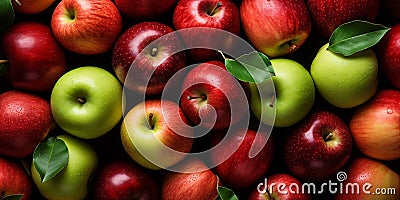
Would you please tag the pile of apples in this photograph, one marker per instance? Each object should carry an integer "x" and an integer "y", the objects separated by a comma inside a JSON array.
[{"x": 147, "y": 99}]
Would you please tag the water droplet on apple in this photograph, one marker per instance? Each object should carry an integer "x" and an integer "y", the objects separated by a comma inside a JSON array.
[{"x": 389, "y": 111}]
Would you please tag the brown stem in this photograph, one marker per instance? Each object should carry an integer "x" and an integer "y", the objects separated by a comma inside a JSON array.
[
  {"x": 272, "y": 101},
  {"x": 214, "y": 9},
  {"x": 81, "y": 100},
  {"x": 154, "y": 51},
  {"x": 150, "y": 120},
  {"x": 3, "y": 61},
  {"x": 328, "y": 137},
  {"x": 204, "y": 97}
]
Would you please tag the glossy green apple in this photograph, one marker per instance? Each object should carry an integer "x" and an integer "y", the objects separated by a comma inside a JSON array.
[
  {"x": 345, "y": 82},
  {"x": 72, "y": 182},
  {"x": 290, "y": 94},
  {"x": 87, "y": 102}
]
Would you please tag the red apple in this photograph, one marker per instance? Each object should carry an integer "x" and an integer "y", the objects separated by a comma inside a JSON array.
[
  {"x": 124, "y": 180},
  {"x": 144, "y": 9},
  {"x": 216, "y": 14},
  {"x": 31, "y": 6},
  {"x": 146, "y": 56},
  {"x": 389, "y": 55},
  {"x": 25, "y": 121},
  {"x": 36, "y": 59},
  {"x": 375, "y": 126},
  {"x": 369, "y": 179},
  {"x": 194, "y": 181},
  {"x": 240, "y": 170},
  {"x": 156, "y": 134},
  {"x": 327, "y": 15},
  {"x": 318, "y": 147},
  {"x": 279, "y": 187},
  {"x": 212, "y": 97},
  {"x": 14, "y": 180},
  {"x": 86, "y": 26},
  {"x": 275, "y": 27}
]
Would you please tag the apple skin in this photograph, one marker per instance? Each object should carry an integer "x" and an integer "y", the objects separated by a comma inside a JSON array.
[
  {"x": 363, "y": 170},
  {"x": 275, "y": 27},
  {"x": 144, "y": 9},
  {"x": 389, "y": 55},
  {"x": 239, "y": 170},
  {"x": 149, "y": 72},
  {"x": 31, "y": 6},
  {"x": 209, "y": 87},
  {"x": 345, "y": 82},
  {"x": 14, "y": 179},
  {"x": 194, "y": 181},
  {"x": 283, "y": 193},
  {"x": 199, "y": 13},
  {"x": 86, "y": 26},
  {"x": 309, "y": 152},
  {"x": 124, "y": 180},
  {"x": 327, "y": 15},
  {"x": 374, "y": 126},
  {"x": 87, "y": 102},
  {"x": 72, "y": 182},
  {"x": 36, "y": 59},
  {"x": 26, "y": 120},
  {"x": 295, "y": 94},
  {"x": 155, "y": 134}
]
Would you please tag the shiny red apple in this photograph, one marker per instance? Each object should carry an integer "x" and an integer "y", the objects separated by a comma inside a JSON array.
[
  {"x": 36, "y": 59},
  {"x": 146, "y": 56},
  {"x": 375, "y": 126},
  {"x": 14, "y": 180},
  {"x": 389, "y": 55},
  {"x": 26, "y": 120},
  {"x": 275, "y": 27},
  {"x": 318, "y": 147},
  {"x": 144, "y": 9},
  {"x": 31, "y": 6}
]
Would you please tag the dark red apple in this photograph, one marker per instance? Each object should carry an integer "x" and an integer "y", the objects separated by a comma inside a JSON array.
[
  {"x": 144, "y": 9},
  {"x": 275, "y": 27},
  {"x": 146, "y": 56},
  {"x": 216, "y": 14},
  {"x": 393, "y": 7},
  {"x": 26, "y": 120},
  {"x": 193, "y": 181},
  {"x": 389, "y": 55},
  {"x": 375, "y": 126},
  {"x": 36, "y": 59},
  {"x": 279, "y": 187},
  {"x": 239, "y": 170},
  {"x": 212, "y": 97},
  {"x": 14, "y": 180},
  {"x": 367, "y": 178},
  {"x": 327, "y": 15},
  {"x": 318, "y": 147},
  {"x": 124, "y": 180}
]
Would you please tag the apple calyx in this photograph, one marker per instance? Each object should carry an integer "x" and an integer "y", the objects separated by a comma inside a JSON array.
[
  {"x": 214, "y": 9},
  {"x": 150, "y": 120}
]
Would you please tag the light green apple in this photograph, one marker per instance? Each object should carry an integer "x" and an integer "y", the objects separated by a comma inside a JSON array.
[
  {"x": 72, "y": 182},
  {"x": 345, "y": 82},
  {"x": 87, "y": 102},
  {"x": 286, "y": 99}
]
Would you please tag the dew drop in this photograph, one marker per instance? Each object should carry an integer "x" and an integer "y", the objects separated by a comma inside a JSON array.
[{"x": 389, "y": 111}]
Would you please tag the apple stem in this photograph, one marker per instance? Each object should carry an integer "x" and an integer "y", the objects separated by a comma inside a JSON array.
[
  {"x": 216, "y": 6},
  {"x": 151, "y": 123},
  {"x": 154, "y": 51},
  {"x": 328, "y": 137},
  {"x": 292, "y": 47},
  {"x": 19, "y": 3},
  {"x": 272, "y": 101},
  {"x": 81, "y": 100},
  {"x": 204, "y": 97}
]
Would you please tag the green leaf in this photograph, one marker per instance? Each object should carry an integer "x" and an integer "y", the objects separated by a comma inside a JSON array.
[
  {"x": 7, "y": 15},
  {"x": 50, "y": 157},
  {"x": 355, "y": 36},
  {"x": 226, "y": 194},
  {"x": 13, "y": 197},
  {"x": 252, "y": 67}
]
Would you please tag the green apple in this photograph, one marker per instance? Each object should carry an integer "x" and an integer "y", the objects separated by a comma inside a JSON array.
[
  {"x": 345, "y": 82},
  {"x": 289, "y": 97},
  {"x": 72, "y": 182},
  {"x": 155, "y": 134},
  {"x": 87, "y": 102}
]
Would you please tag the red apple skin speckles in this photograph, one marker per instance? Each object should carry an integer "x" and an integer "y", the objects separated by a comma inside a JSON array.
[
  {"x": 14, "y": 179},
  {"x": 308, "y": 156}
]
